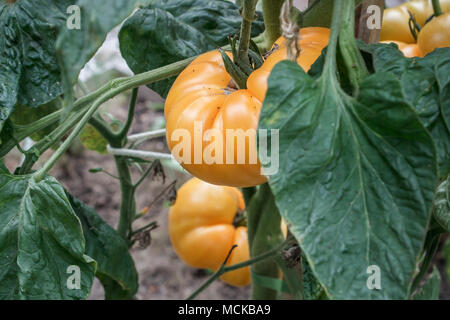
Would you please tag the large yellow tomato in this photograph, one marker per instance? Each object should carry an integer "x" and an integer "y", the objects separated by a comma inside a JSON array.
[
  {"x": 202, "y": 232},
  {"x": 202, "y": 104},
  {"x": 435, "y": 34}
]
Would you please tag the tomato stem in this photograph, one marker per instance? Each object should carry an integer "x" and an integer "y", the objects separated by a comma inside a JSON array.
[
  {"x": 272, "y": 24},
  {"x": 128, "y": 202},
  {"x": 436, "y": 8},
  {"x": 248, "y": 16},
  {"x": 353, "y": 60},
  {"x": 124, "y": 131},
  {"x": 329, "y": 69}
]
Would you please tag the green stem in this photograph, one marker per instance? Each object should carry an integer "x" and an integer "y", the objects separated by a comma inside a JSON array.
[
  {"x": 329, "y": 69},
  {"x": 353, "y": 60},
  {"x": 32, "y": 155},
  {"x": 272, "y": 23},
  {"x": 127, "y": 188},
  {"x": 150, "y": 225},
  {"x": 123, "y": 133},
  {"x": 128, "y": 203},
  {"x": 102, "y": 126},
  {"x": 248, "y": 16},
  {"x": 224, "y": 269},
  {"x": 437, "y": 8},
  {"x": 145, "y": 173}
]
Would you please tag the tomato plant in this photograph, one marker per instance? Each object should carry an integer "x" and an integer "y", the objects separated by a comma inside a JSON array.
[{"x": 356, "y": 134}]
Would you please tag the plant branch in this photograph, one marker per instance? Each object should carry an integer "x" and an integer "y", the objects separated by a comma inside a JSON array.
[
  {"x": 152, "y": 225},
  {"x": 248, "y": 16},
  {"x": 436, "y": 8},
  {"x": 128, "y": 203},
  {"x": 39, "y": 175},
  {"x": 138, "y": 137},
  {"x": 101, "y": 126},
  {"x": 146, "y": 155},
  {"x": 329, "y": 68},
  {"x": 124, "y": 131},
  {"x": 224, "y": 269},
  {"x": 348, "y": 47},
  {"x": 145, "y": 173}
]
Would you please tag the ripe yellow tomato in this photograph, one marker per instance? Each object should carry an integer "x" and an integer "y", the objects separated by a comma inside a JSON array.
[
  {"x": 201, "y": 100},
  {"x": 421, "y": 10},
  {"x": 435, "y": 34},
  {"x": 409, "y": 50},
  {"x": 202, "y": 232},
  {"x": 395, "y": 26},
  {"x": 396, "y": 20}
]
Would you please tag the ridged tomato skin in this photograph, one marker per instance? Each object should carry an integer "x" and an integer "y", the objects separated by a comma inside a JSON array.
[
  {"x": 201, "y": 228},
  {"x": 201, "y": 101}
]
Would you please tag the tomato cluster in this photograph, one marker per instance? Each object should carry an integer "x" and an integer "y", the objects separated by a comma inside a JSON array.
[{"x": 433, "y": 34}]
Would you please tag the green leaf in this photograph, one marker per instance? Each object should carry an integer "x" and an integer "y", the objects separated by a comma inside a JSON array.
[
  {"x": 190, "y": 27},
  {"x": 115, "y": 267},
  {"x": 356, "y": 178},
  {"x": 29, "y": 73},
  {"x": 430, "y": 290},
  {"x": 441, "y": 208},
  {"x": 426, "y": 86},
  {"x": 93, "y": 140},
  {"x": 40, "y": 238},
  {"x": 77, "y": 46},
  {"x": 319, "y": 13},
  {"x": 24, "y": 116}
]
